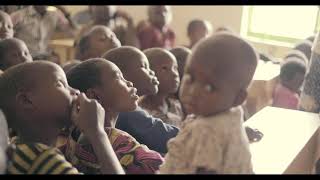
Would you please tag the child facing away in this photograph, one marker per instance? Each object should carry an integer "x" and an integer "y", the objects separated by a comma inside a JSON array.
[
  {"x": 157, "y": 32},
  {"x": 148, "y": 130},
  {"x": 287, "y": 91},
  {"x": 12, "y": 52},
  {"x": 103, "y": 81},
  {"x": 198, "y": 29},
  {"x": 26, "y": 90},
  {"x": 6, "y": 26},
  {"x": 160, "y": 105},
  {"x": 214, "y": 86},
  {"x": 95, "y": 43}
]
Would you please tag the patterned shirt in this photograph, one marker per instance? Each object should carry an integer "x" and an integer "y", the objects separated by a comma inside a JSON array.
[
  {"x": 36, "y": 30},
  {"x": 310, "y": 96},
  {"x": 150, "y": 36},
  {"x": 174, "y": 116},
  {"x": 216, "y": 143},
  {"x": 134, "y": 157},
  {"x": 38, "y": 158}
]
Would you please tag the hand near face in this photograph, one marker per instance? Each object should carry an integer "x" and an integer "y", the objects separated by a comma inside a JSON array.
[{"x": 88, "y": 115}]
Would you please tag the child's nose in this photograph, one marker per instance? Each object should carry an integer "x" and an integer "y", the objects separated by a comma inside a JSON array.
[
  {"x": 74, "y": 92},
  {"x": 130, "y": 84}
]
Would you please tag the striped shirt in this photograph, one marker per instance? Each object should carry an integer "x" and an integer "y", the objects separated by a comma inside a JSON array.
[{"x": 38, "y": 158}]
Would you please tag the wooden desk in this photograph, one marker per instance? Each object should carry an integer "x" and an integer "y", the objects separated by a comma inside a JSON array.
[
  {"x": 64, "y": 47},
  {"x": 289, "y": 143}
]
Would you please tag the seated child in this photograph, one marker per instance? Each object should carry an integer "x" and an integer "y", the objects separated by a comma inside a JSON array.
[
  {"x": 181, "y": 53},
  {"x": 305, "y": 47},
  {"x": 6, "y": 29},
  {"x": 214, "y": 85},
  {"x": 148, "y": 130},
  {"x": 12, "y": 52},
  {"x": 70, "y": 64},
  {"x": 50, "y": 56},
  {"x": 97, "y": 41},
  {"x": 297, "y": 54},
  {"x": 26, "y": 90},
  {"x": 165, "y": 66},
  {"x": 198, "y": 29},
  {"x": 157, "y": 32},
  {"x": 118, "y": 21},
  {"x": 286, "y": 93},
  {"x": 102, "y": 80},
  {"x": 4, "y": 142}
]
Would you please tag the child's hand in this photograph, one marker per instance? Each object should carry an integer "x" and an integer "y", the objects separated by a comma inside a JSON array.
[
  {"x": 254, "y": 135},
  {"x": 88, "y": 115}
]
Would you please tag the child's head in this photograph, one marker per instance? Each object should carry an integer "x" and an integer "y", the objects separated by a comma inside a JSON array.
[
  {"x": 165, "y": 66},
  {"x": 36, "y": 98},
  {"x": 181, "y": 53},
  {"x": 305, "y": 47},
  {"x": 102, "y": 13},
  {"x": 96, "y": 42},
  {"x": 6, "y": 27},
  {"x": 70, "y": 64},
  {"x": 160, "y": 16},
  {"x": 135, "y": 67},
  {"x": 198, "y": 29},
  {"x": 297, "y": 54},
  {"x": 51, "y": 56},
  {"x": 292, "y": 73},
  {"x": 102, "y": 80},
  {"x": 12, "y": 52},
  {"x": 217, "y": 74}
]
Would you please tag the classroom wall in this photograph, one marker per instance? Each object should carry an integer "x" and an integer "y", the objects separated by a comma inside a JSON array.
[{"x": 218, "y": 15}]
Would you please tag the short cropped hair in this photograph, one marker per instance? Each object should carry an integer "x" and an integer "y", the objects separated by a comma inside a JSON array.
[{"x": 290, "y": 67}]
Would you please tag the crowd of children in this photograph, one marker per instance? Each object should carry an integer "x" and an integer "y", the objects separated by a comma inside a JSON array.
[{"x": 131, "y": 101}]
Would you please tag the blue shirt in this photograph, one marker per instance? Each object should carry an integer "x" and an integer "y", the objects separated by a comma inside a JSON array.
[{"x": 152, "y": 132}]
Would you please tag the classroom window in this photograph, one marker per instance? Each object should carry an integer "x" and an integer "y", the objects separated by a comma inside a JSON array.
[{"x": 280, "y": 24}]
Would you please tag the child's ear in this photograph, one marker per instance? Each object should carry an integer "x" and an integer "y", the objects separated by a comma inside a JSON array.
[
  {"x": 24, "y": 100},
  {"x": 93, "y": 94},
  {"x": 240, "y": 98}
]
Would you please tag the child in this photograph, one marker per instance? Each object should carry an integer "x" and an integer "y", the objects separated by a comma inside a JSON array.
[
  {"x": 215, "y": 84},
  {"x": 286, "y": 93},
  {"x": 50, "y": 56},
  {"x": 152, "y": 132},
  {"x": 26, "y": 90},
  {"x": 6, "y": 29},
  {"x": 118, "y": 21},
  {"x": 181, "y": 53},
  {"x": 12, "y": 52},
  {"x": 305, "y": 47},
  {"x": 102, "y": 80},
  {"x": 198, "y": 29},
  {"x": 157, "y": 32},
  {"x": 165, "y": 66},
  {"x": 70, "y": 64},
  {"x": 97, "y": 41}
]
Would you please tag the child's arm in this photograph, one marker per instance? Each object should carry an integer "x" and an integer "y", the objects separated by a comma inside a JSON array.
[{"x": 88, "y": 116}]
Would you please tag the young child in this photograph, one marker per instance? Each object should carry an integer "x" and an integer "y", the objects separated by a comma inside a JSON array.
[
  {"x": 165, "y": 66},
  {"x": 152, "y": 132},
  {"x": 102, "y": 80},
  {"x": 6, "y": 28},
  {"x": 97, "y": 41},
  {"x": 50, "y": 56},
  {"x": 215, "y": 84},
  {"x": 12, "y": 52},
  {"x": 198, "y": 29},
  {"x": 286, "y": 93},
  {"x": 181, "y": 53},
  {"x": 118, "y": 21},
  {"x": 157, "y": 33},
  {"x": 26, "y": 90}
]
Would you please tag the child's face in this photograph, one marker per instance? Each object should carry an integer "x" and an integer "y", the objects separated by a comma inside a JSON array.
[
  {"x": 53, "y": 97},
  {"x": 142, "y": 76},
  {"x": 202, "y": 91},
  {"x": 116, "y": 93},
  {"x": 18, "y": 53},
  {"x": 101, "y": 41},
  {"x": 168, "y": 76},
  {"x": 201, "y": 31},
  {"x": 296, "y": 82},
  {"x": 6, "y": 27},
  {"x": 160, "y": 15}
]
